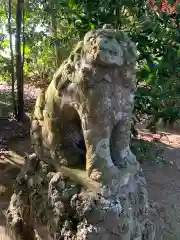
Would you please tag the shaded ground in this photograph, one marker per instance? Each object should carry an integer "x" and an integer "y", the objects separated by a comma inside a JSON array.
[
  {"x": 163, "y": 180},
  {"x": 30, "y": 93},
  {"x": 11, "y": 160},
  {"x": 162, "y": 174}
]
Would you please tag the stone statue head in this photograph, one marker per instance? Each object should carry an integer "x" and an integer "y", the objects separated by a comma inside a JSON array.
[{"x": 109, "y": 47}]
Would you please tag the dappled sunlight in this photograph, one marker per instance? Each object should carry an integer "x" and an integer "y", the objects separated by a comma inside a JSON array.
[
  {"x": 3, "y": 232},
  {"x": 13, "y": 158},
  {"x": 169, "y": 137}
]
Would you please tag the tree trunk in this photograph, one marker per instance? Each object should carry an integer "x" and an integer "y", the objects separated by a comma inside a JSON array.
[
  {"x": 56, "y": 43},
  {"x": 12, "y": 59},
  {"x": 118, "y": 22},
  {"x": 20, "y": 93},
  {"x": 23, "y": 53}
]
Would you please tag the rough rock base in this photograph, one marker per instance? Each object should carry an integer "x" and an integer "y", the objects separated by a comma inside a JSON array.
[{"x": 71, "y": 212}]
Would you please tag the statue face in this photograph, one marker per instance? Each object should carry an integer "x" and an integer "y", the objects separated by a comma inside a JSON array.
[
  {"x": 109, "y": 48},
  {"x": 110, "y": 51},
  {"x": 104, "y": 51}
]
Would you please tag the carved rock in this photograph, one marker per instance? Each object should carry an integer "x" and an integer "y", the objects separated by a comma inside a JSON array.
[
  {"x": 71, "y": 212},
  {"x": 83, "y": 119},
  {"x": 87, "y": 107}
]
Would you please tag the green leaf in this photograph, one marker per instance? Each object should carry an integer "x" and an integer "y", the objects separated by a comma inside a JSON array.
[
  {"x": 27, "y": 50},
  {"x": 157, "y": 3},
  {"x": 5, "y": 43},
  {"x": 147, "y": 68},
  {"x": 2, "y": 15},
  {"x": 171, "y": 2},
  {"x": 150, "y": 79},
  {"x": 92, "y": 26},
  {"x": 178, "y": 8}
]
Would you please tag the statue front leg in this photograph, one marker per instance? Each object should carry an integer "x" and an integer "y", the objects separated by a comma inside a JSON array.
[
  {"x": 120, "y": 140},
  {"x": 99, "y": 164}
]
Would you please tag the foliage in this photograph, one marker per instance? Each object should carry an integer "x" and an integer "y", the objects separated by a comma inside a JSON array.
[
  {"x": 157, "y": 38},
  {"x": 53, "y": 27},
  {"x": 159, "y": 70},
  {"x": 147, "y": 151}
]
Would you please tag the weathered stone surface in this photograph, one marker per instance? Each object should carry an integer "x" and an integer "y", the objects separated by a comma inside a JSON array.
[
  {"x": 70, "y": 212},
  {"x": 84, "y": 117},
  {"x": 90, "y": 101}
]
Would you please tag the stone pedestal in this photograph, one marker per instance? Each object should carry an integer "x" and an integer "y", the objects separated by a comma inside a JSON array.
[{"x": 71, "y": 212}]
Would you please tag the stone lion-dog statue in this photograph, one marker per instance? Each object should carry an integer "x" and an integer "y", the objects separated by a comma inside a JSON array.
[{"x": 85, "y": 113}]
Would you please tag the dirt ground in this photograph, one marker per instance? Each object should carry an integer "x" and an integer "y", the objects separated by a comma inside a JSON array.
[{"x": 163, "y": 180}]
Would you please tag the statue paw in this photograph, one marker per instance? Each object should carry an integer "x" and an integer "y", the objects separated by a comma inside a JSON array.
[
  {"x": 106, "y": 175},
  {"x": 112, "y": 179},
  {"x": 96, "y": 175},
  {"x": 111, "y": 174}
]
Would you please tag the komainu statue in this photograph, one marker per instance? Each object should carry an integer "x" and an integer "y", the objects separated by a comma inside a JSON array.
[
  {"x": 81, "y": 130},
  {"x": 85, "y": 114}
]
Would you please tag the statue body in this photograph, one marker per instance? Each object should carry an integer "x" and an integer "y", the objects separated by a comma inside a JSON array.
[{"x": 85, "y": 113}]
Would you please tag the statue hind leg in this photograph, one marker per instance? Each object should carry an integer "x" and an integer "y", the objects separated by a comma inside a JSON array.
[{"x": 57, "y": 141}]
